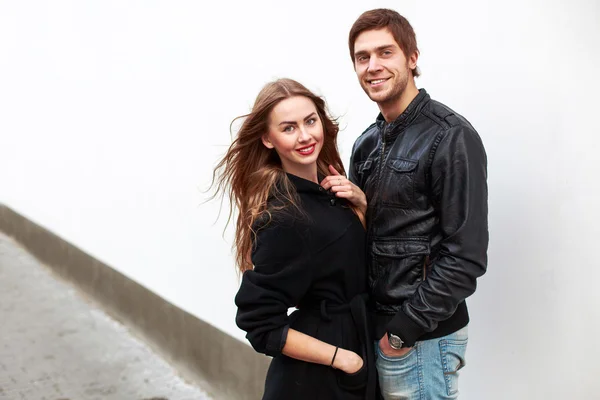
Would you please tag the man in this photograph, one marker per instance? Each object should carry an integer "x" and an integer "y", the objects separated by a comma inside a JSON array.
[{"x": 423, "y": 169}]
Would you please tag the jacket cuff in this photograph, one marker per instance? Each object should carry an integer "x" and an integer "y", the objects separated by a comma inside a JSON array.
[
  {"x": 276, "y": 340},
  {"x": 404, "y": 327}
]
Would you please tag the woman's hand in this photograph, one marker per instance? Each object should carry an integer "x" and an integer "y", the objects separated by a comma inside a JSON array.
[
  {"x": 348, "y": 361},
  {"x": 343, "y": 188},
  {"x": 307, "y": 348}
]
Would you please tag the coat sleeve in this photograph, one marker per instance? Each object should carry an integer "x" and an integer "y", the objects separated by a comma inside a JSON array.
[
  {"x": 459, "y": 194},
  {"x": 280, "y": 278}
]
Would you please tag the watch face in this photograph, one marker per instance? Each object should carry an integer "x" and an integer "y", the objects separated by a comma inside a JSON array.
[{"x": 395, "y": 341}]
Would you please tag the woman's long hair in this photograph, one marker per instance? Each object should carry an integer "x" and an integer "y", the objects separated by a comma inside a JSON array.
[{"x": 250, "y": 173}]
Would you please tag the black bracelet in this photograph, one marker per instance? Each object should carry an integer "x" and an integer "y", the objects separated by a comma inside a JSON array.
[{"x": 334, "y": 354}]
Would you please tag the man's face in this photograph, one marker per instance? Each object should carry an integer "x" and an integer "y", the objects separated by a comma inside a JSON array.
[{"x": 381, "y": 66}]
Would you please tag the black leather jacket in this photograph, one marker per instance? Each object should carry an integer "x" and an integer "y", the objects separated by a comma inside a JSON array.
[{"x": 424, "y": 175}]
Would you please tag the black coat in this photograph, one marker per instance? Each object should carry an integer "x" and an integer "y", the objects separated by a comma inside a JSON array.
[{"x": 313, "y": 260}]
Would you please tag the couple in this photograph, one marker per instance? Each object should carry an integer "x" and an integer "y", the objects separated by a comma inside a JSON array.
[{"x": 378, "y": 265}]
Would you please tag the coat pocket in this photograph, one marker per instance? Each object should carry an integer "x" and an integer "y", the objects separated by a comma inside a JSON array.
[{"x": 355, "y": 381}]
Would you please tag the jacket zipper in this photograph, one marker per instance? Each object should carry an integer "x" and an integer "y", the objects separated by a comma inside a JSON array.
[{"x": 377, "y": 182}]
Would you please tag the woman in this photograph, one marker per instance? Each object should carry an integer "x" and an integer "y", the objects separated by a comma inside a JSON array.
[{"x": 299, "y": 244}]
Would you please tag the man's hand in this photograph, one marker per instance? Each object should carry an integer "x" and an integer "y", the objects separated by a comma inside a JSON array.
[{"x": 386, "y": 349}]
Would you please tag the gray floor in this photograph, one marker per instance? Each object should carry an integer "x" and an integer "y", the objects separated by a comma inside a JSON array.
[{"x": 57, "y": 345}]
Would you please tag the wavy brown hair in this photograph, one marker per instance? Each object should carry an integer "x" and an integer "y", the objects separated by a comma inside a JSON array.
[{"x": 250, "y": 173}]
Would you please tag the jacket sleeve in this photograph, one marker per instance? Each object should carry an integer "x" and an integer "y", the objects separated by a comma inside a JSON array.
[
  {"x": 280, "y": 278},
  {"x": 459, "y": 195}
]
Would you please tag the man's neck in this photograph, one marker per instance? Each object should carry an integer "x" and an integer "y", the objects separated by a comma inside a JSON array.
[{"x": 393, "y": 109}]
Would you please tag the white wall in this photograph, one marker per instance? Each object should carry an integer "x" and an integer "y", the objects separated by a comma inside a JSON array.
[{"x": 113, "y": 113}]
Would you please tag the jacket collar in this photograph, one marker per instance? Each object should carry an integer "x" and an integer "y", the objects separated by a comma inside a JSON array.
[{"x": 407, "y": 116}]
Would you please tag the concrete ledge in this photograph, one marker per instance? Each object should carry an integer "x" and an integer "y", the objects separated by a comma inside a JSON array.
[{"x": 221, "y": 364}]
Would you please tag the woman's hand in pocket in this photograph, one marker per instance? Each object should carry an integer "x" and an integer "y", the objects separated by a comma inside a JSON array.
[{"x": 348, "y": 361}]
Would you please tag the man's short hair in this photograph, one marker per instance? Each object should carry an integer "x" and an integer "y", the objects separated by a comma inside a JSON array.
[{"x": 382, "y": 18}]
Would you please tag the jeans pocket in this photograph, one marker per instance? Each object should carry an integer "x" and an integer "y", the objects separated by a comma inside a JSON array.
[
  {"x": 399, "y": 377},
  {"x": 395, "y": 358},
  {"x": 453, "y": 360}
]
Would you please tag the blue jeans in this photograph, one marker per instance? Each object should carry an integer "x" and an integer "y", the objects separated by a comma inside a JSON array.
[{"x": 429, "y": 371}]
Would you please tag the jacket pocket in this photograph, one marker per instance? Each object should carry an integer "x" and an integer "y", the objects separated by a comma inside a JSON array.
[
  {"x": 398, "y": 182},
  {"x": 398, "y": 268}
]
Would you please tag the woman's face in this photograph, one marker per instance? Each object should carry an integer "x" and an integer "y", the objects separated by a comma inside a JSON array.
[{"x": 295, "y": 131}]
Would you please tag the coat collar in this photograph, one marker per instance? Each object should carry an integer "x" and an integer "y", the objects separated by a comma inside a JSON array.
[{"x": 304, "y": 185}]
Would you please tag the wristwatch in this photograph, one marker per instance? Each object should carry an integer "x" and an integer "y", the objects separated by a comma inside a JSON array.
[{"x": 395, "y": 341}]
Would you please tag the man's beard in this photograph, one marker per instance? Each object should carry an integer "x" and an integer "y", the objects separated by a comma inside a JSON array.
[{"x": 396, "y": 91}]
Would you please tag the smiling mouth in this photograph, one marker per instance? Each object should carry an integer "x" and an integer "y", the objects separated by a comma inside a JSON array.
[
  {"x": 376, "y": 82},
  {"x": 306, "y": 150}
]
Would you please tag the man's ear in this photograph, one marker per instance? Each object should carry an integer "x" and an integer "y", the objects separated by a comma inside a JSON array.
[
  {"x": 412, "y": 60},
  {"x": 266, "y": 141}
]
